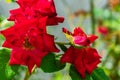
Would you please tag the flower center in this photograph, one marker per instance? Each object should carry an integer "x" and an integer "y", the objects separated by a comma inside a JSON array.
[{"x": 27, "y": 45}]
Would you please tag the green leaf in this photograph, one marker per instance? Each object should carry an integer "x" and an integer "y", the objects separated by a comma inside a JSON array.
[
  {"x": 76, "y": 76},
  {"x": 1, "y": 39},
  {"x": 50, "y": 64},
  {"x": 7, "y": 72},
  {"x": 99, "y": 74}
]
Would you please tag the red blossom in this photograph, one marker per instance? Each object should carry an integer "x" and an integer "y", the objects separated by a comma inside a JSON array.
[
  {"x": 45, "y": 7},
  {"x": 34, "y": 30},
  {"x": 78, "y": 37},
  {"x": 103, "y": 30},
  {"x": 32, "y": 50},
  {"x": 29, "y": 42},
  {"x": 30, "y": 9},
  {"x": 30, "y": 58},
  {"x": 28, "y": 37},
  {"x": 84, "y": 60}
]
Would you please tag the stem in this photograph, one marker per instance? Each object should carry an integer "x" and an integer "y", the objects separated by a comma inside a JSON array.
[
  {"x": 92, "y": 16},
  {"x": 26, "y": 75},
  {"x": 65, "y": 43},
  {"x": 59, "y": 55}
]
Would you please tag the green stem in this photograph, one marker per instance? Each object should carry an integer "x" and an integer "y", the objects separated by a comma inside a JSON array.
[
  {"x": 59, "y": 55},
  {"x": 92, "y": 16},
  {"x": 65, "y": 43},
  {"x": 26, "y": 75}
]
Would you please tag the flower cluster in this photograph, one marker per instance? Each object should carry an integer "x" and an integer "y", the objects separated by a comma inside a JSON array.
[
  {"x": 28, "y": 37},
  {"x": 30, "y": 42},
  {"x": 84, "y": 59}
]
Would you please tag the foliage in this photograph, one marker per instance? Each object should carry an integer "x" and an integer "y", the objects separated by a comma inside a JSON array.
[{"x": 6, "y": 71}]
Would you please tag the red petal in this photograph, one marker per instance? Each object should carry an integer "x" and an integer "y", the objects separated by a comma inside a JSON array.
[
  {"x": 92, "y": 38},
  {"x": 49, "y": 43},
  {"x": 78, "y": 61},
  {"x": 79, "y": 65},
  {"x": 91, "y": 59},
  {"x": 42, "y": 24},
  {"x": 64, "y": 30},
  {"x": 54, "y": 20},
  {"x": 68, "y": 56},
  {"x": 60, "y": 19},
  {"x": 30, "y": 65},
  {"x": 80, "y": 40},
  {"x": 6, "y": 44},
  {"x": 36, "y": 40},
  {"x": 46, "y": 7},
  {"x": 21, "y": 56},
  {"x": 18, "y": 56},
  {"x": 78, "y": 31},
  {"x": 37, "y": 56}
]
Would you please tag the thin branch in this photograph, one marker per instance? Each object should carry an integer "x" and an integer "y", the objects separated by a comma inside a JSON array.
[{"x": 64, "y": 43}]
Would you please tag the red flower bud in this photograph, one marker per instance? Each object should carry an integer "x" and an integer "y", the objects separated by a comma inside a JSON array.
[
  {"x": 103, "y": 30},
  {"x": 78, "y": 37}
]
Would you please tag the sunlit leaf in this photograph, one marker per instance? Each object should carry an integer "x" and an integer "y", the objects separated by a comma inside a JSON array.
[{"x": 6, "y": 71}]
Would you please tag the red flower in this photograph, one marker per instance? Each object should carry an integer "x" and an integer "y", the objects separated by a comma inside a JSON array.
[
  {"x": 45, "y": 7},
  {"x": 84, "y": 60},
  {"x": 30, "y": 9},
  {"x": 103, "y": 30},
  {"x": 32, "y": 51},
  {"x": 78, "y": 37},
  {"x": 29, "y": 43}
]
